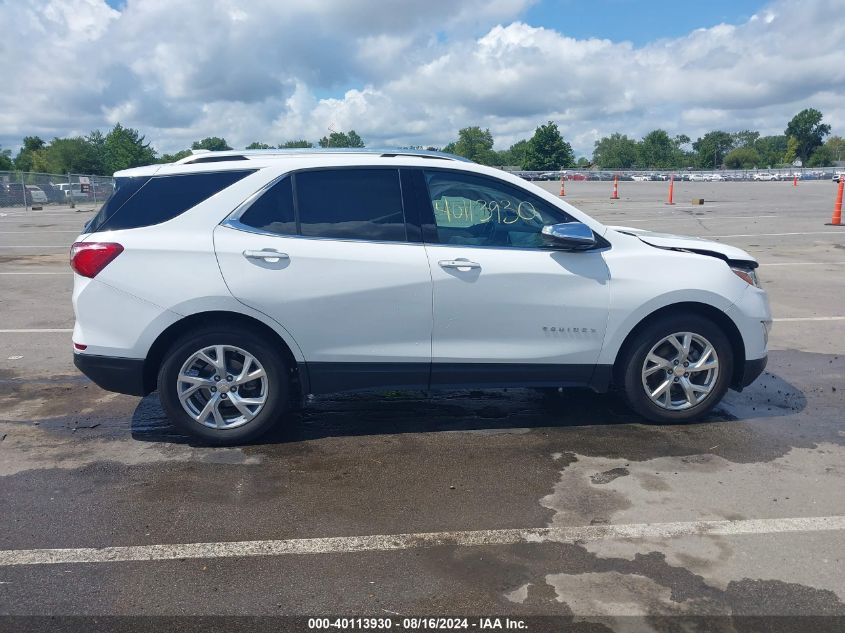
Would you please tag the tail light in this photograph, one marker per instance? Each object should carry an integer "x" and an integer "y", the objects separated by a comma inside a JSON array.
[{"x": 89, "y": 258}]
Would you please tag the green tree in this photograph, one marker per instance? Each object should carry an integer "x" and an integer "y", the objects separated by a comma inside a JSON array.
[
  {"x": 31, "y": 144},
  {"x": 67, "y": 155},
  {"x": 547, "y": 150},
  {"x": 616, "y": 151},
  {"x": 657, "y": 150},
  {"x": 742, "y": 158},
  {"x": 257, "y": 145},
  {"x": 822, "y": 157},
  {"x": 172, "y": 158},
  {"x": 745, "y": 138},
  {"x": 6, "y": 159},
  {"x": 791, "y": 153},
  {"x": 342, "y": 139},
  {"x": 711, "y": 148},
  {"x": 836, "y": 145},
  {"x": 213, "y": 143},
  {"x": 475, "y": 144},
  {"x": 807, "y": 129},
  {"x": 122, "y": 148},
  {"x": 771, "y": 150},
  {"x": 514, "y": 156},
  {"x": 583, "y": 162},
  {"x": 354, "y": 140},
  {"x": 296, "y": 144}
]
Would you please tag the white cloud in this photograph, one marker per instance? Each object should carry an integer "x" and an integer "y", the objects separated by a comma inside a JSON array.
[{"x": 410, "y": 73}]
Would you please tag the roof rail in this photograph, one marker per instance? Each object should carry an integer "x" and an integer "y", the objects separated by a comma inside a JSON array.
[{"x": 205, "y": 156}]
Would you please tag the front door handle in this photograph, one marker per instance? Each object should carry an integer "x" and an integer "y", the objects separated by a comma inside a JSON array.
[
  {"x": 460, "y": 264},
  {"x": 268, "y": 255}
]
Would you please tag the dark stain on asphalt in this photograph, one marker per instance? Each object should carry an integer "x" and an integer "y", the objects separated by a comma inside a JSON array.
[
  {"x": 501, "y": 570},
  {"x": 762, "y": 423},
  {"x": 54, "y": 258},
  {"x": 609, "y": 475}
]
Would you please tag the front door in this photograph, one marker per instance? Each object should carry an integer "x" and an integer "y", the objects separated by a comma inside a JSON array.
[{"x": 508, "y": 308}]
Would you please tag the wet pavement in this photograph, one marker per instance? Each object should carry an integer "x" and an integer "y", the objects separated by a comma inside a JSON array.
[{"x": 82, "y": 468}]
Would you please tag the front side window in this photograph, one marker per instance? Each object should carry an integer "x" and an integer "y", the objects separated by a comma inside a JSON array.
[
  {"x": 358, "y": 204},
  {"x": 474, "y": 210}
]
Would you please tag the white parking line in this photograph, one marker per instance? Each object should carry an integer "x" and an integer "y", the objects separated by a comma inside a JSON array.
[
  {"x": 798, "y": 319},
  {"x": 698, "y": 217},
  {"x": 64, "y": 272},
  {"x": 390, "y": 542},
  {"x": 777, "y": 234},
  {"x": 804, "y": 264},
  {"x": 37, "y": 331}
]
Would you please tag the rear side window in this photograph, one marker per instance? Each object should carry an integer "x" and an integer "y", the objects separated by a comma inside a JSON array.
[
  {"x": 146, "y": 201},
  {"x": 273, "y": 210},
  {"x": 358, "y": 204}
]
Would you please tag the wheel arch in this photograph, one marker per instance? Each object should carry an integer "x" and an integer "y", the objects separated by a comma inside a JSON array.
[
  {"x": 719, "y": 317},
  {"x": 166, "y": 339}
]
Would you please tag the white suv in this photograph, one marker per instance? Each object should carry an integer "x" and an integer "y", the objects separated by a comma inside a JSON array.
[{"x": 236, "y": 283}]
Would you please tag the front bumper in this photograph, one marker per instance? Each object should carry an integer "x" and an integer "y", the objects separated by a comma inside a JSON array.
[
  {"x": 122, "y": 375},
  {"x": 752, "y": 370}
]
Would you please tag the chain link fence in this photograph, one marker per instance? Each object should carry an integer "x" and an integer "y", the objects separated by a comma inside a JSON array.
[
  {"x": 36, "y": 191},
  {"x": 712, "y": 175}
]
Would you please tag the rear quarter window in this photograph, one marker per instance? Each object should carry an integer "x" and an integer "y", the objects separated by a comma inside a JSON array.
[{"x": 145, "y": 201}]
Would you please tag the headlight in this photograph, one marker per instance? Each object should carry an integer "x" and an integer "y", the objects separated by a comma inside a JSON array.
[{"x": 748, "y": 275}]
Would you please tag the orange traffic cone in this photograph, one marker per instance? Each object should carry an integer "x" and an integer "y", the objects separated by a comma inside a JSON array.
[
  {"x": 671, "y": 189},
  {"x": 562, "y": 188},
  {"x": 836, "y": 220},
  {"x": 615, "y": 195},
  {"x": 795, "y": 180}
]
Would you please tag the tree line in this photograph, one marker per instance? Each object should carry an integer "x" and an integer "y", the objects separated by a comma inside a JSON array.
[
  {"x": 806, "y": 138},
  {"x": 123, "y": 148},
  {"x": 803, "y": 139}
]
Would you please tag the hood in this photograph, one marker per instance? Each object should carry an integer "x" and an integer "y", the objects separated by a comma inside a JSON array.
[{"x": 693, "y": 244}]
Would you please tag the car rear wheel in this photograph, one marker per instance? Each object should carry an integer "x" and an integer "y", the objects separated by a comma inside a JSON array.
[
  {"x": 224, "y": 386},
  {"x": 677, "y": 369}
]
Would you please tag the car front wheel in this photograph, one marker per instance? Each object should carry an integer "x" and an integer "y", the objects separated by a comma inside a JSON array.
[
  {"x": 225, "y": 387},
  {"x": 677, "y": 369}
]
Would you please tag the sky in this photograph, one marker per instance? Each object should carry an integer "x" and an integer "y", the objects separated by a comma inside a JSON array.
[{"x": 414, "y": 73}]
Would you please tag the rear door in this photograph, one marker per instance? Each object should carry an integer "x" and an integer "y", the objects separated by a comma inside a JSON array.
[{"x": 326, "y": 253}]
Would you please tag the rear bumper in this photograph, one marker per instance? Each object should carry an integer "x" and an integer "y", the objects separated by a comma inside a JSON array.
[
  {"x": 752, "y": 370},
  {"x": 122, "y": 375}
]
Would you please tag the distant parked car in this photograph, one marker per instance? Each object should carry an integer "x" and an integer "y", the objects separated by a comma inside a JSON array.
[
  {"x": 764, "y": 176},
  {"x": 14, "y": 194},
  {"x": 839, "y": 175},
  {"x": 697, "y": 178},
  {"x": 53, "y": 193},
  {"x": 36, "y": 194},
  {"x": 640, "y": 178},
  {"x": 72, "y": 191},
  {"x": 715, "y": 177}
]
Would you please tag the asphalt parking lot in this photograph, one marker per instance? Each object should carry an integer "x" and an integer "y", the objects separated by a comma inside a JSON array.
[{"x": 538, "y": 505}]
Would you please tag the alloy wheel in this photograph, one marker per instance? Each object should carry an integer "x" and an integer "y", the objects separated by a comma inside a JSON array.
[
  {"x": 680, "y": 371},
  {"x": 222, "y": 386}
]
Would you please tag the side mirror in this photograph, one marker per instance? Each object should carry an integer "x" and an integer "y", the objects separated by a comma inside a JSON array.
[{"x": 572, "y": 236}]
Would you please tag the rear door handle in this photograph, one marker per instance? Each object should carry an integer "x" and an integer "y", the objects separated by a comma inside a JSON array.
[
  {"x": 268, "y": 255},
  {"x": 458, "y": 263}
]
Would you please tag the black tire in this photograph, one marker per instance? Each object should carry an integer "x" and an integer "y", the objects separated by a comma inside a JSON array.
[
  {"x": 264, "y": 351},
  {"x": 632, "y": 362}
]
